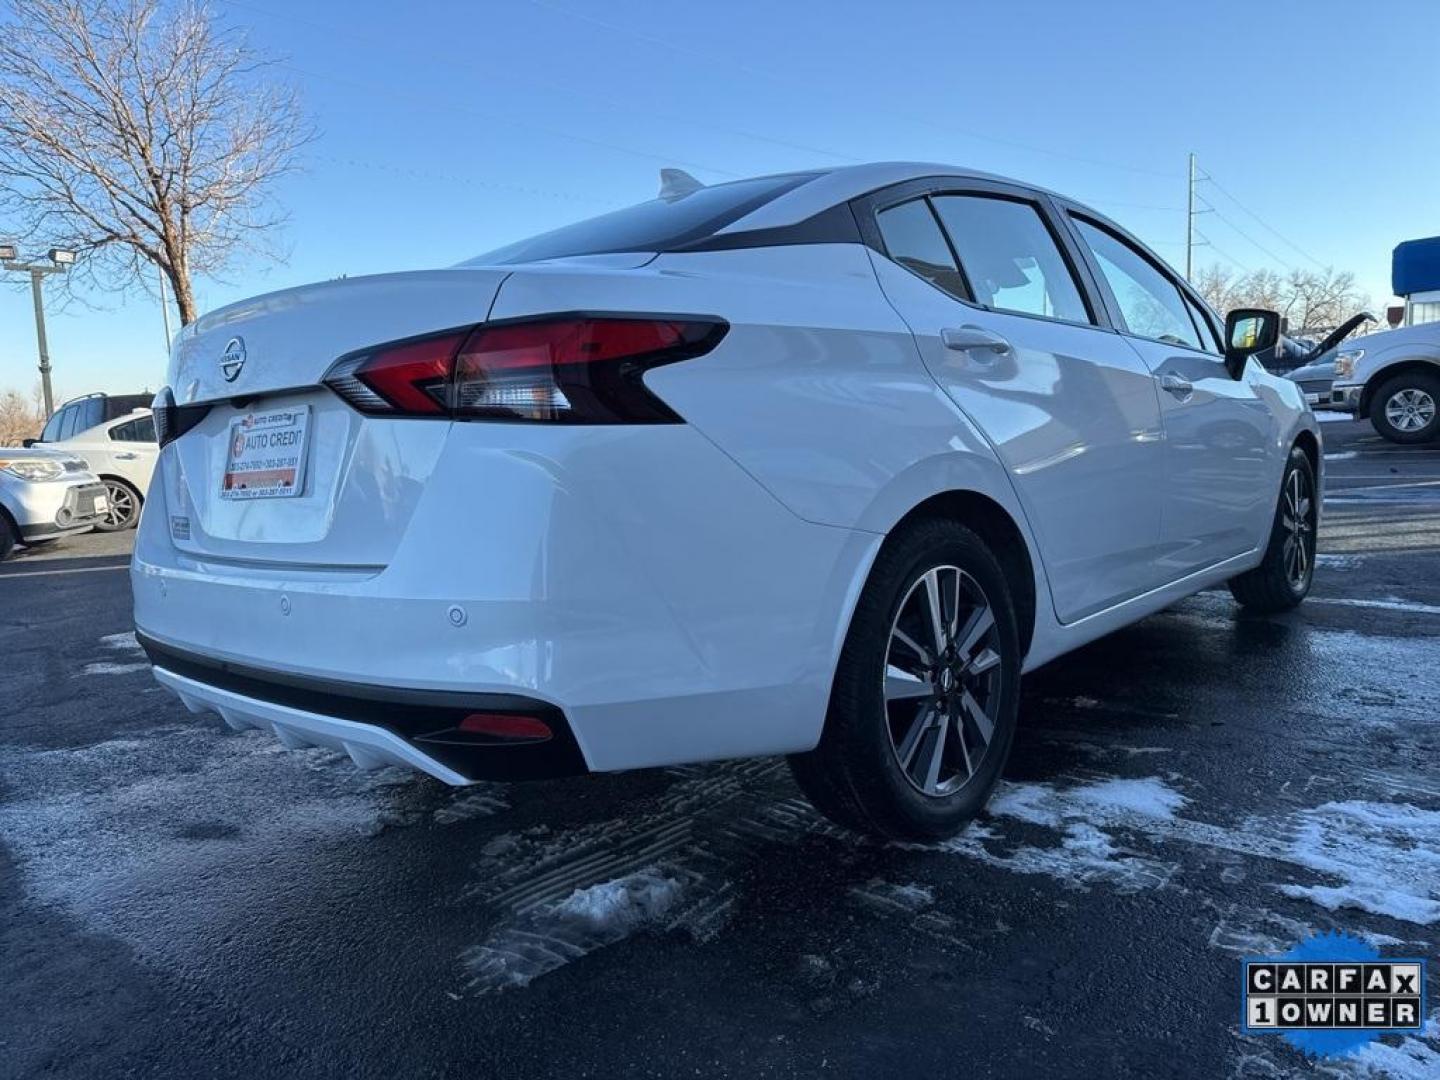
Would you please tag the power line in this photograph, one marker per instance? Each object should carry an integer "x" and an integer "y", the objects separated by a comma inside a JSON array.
[
  {"x": 1253, "y": 242},
  {"x": 1263, "y": 223}
]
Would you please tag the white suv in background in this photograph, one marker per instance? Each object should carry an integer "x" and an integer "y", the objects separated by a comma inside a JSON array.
[{"x": 115, "y": 434}]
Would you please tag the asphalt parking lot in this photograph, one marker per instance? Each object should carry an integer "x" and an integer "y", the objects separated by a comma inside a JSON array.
[{"x": 178, "y": 900}]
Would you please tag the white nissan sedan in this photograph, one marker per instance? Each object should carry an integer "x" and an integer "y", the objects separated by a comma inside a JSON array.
[{"x": 813, "y": 464}]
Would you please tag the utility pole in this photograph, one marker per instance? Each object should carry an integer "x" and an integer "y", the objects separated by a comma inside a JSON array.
[
  {"x": 60, "y": 261},
  {"x": 1190, "y": 224}
]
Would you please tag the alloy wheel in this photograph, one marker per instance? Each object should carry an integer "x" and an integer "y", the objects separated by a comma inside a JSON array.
[
  {"x": 942, "y": 681},
  {"x": 120, "y": 512},
  {"x": 1297, "y": 518},
  {"x": 1410, "y": 410}
]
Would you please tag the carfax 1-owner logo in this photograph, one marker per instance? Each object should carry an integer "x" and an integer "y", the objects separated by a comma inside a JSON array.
[{"x": 1332, "y": 994}]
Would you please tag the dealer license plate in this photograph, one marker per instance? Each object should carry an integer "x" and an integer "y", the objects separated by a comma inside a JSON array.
[{"x": 266, "y": 455}]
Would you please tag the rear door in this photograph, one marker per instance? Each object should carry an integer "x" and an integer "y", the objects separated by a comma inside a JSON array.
[
  {"x": 133, "y": 449},
  {"x": 1219, "y": 432},
  {"x": 1001, "y": 310}
]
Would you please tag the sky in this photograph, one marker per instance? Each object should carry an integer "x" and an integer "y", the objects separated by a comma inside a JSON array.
[{"x": 447, "y": 129}]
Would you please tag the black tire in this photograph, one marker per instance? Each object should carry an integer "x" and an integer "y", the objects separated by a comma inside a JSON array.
[
  {"x": 1418, "y": 387},
  {"x": 125, "y": 492},
  {"x": 855, "y": 776},
  {"x": 1275, "y": 585},
  {"x": 8, "y": 539}
]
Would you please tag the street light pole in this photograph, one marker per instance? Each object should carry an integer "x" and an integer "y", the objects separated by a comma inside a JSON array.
[
  {"x": 60, "y": 262},
  {"x": 35, "y": 278}
]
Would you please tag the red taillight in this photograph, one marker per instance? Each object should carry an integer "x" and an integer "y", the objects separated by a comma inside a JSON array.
[
  {"x": 409, "y": 378},
  {"x": 572, "y": 369},
  {"x": 505, "y": 726}
]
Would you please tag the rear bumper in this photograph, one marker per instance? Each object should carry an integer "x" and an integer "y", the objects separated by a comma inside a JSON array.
[
  {"x": 633, "y": 579},
  {"x": 374, "y": 725}
]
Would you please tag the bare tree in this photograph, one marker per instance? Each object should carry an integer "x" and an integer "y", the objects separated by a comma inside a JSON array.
[
  {"x": 1311, "y": 300},
  {"x": 140, "y": 134},
  {"x": 20, "y": 418}
]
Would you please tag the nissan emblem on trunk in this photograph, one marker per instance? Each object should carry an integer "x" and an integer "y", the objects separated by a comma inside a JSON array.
[{"x": 232, "y": 360}]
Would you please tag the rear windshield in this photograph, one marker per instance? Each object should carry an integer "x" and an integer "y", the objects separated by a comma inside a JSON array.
[{"x": 657, "y": 225}]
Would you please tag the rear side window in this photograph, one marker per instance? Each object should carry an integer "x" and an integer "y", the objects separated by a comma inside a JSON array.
[
  {"x": 1010, "y": 258},
  {"x": 657, "y": 225},
  {"x": 913, "y": 239},
  {"x": 141, "y": 429},
  {"x": 1150, "y": 303},
  {"x": 92, "y": 413}
]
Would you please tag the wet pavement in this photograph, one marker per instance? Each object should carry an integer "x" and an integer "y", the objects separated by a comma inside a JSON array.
[{"x": 177, "y": 900}]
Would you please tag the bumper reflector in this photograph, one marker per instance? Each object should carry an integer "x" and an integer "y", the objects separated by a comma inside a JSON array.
[{"x": 503, "y": 726}]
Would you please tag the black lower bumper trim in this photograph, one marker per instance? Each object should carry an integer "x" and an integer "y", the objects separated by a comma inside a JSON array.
[{"x": 428, "y": 719}]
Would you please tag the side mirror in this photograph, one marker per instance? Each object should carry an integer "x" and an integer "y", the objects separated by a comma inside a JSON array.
[
  {"x": 1248, "y": 331},
  {"x": 29, "y": 443}
]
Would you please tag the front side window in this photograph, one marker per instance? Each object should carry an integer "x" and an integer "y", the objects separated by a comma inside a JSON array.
[
  {"x": 1150, "y": 304},
  {"x": 913, "y": 239},
  {"x": 52, "y": 427},
  {"x": 1209, "y": 341},
  {"x": 1010, "y": 258}
]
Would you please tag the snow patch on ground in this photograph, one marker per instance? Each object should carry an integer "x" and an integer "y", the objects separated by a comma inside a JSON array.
[
  {"x": 1386, "y": 855},
  {"x": 104, "y": 668},
  {"x": 156, "y": 839},
  {"x": 125, "y": 641},
  {"x": 1407, "y": 1057},
  {"x": 1384, "y": 603},
  {"x": 1085, "y": 856},
  {"x": 552, "y": 935},
  {"x": 476, "y": 801},
  {"x": 1339, "y": 562},
  {"x": 1412, "y": 1058},
  {"x": 1104, "y": 801}
]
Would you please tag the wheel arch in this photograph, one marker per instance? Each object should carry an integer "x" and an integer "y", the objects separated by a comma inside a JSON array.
[
  {"x": 1413, "y": 364},
  {"x": 1307, "y": 441},
  {"x": 1001, "y": 533}
]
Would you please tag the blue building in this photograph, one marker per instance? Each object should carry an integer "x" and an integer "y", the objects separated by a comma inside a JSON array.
[{"x": 1415, "y": 275}]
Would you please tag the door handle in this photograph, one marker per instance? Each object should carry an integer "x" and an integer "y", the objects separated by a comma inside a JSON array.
[
  {"x": 1174, "y": 384},
  {"x": 974, "y": 339},
  {"x": 126, "y": 457}
]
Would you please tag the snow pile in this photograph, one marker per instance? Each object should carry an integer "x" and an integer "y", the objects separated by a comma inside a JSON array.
[
  {"x": 619, "y": 908},
  {"x": 552, "y": 935}
]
